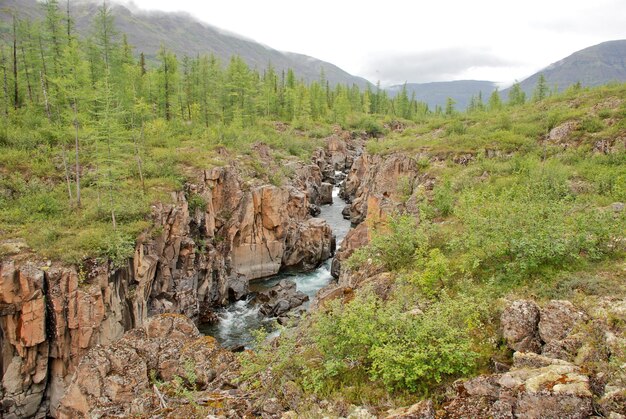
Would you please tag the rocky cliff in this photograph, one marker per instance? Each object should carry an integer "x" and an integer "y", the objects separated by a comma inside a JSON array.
[
  {"x": 375, "y": 187},
  {"x": 205, "y": 246}
]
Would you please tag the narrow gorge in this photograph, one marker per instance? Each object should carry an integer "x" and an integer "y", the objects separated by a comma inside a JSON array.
[{"x": 203, "y": 250}]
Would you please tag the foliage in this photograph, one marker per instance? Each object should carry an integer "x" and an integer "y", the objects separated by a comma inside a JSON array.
[
  {"x": 386, "y": 343},
  {"x": 533, "y": 222},
  {"x": 394, "y": 243},
  {"x": 196, "y": 203}
]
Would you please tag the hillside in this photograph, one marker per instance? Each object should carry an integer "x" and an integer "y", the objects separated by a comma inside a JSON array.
[
  {"x": 594, "y": 66},
  {"x": 436, "y": 93},
  {"x": 186, "y": 35}
]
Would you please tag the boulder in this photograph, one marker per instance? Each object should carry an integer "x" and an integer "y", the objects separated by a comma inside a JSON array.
[
  {"x": 519, "y": 326},
  {"x": 314, "y": 210},
  {"x": 356, "y": 238},
  {"x": 345, "y": 212},
  {"x": 238, "y": 288},
  {"x": 326, "y": 194},
  {"x": 562, "y": 132},
  {"x": 280, "y": 299},
  {"x": 557, "y": 319},
  {"x": 556, "y": 390},
  {"x": 420, "y": 410},
  {"x": 308, "y": 245}
]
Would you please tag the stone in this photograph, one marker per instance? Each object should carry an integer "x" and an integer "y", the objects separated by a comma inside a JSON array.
[
  {"x": 562, "y": 132},
  {"x": 346, "y": 212},
  {"x": 557, "y": 319},
  {"x": 314, "y": 210},
  {"x": 618, "y": 206},
  {"x": 280, "y": 299},
  {"x": 533, "y": 360},
  {"x": 272, "y": 406},
  {"x": 326, "y": 194},
  {"x": 536, "y": 387},
  {"x": 238, "y": 288},
  {"x": 309, "y": 245},
  {"x": 519, "y": 321},
  {"x": 165, "y": 347},
  {"x": 542, "y": 405}
]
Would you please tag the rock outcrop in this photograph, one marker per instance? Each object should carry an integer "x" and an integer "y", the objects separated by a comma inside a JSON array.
[
  {"x": 519, "y": 326},
  {"x": 377, "y": 186},
  {"x": 538, "y": 387},
  {"x": 49, "y": 317},
  {"x": 123, "y": 379},
  {"x": 392, "y": 180},
  {"x": 559, "y": 368}
]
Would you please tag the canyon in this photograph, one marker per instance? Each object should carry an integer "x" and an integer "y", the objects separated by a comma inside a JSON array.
[{"x": 195, "y": 259}]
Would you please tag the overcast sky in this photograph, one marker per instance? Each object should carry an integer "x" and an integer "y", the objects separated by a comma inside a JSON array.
[{"x": 417, "y": 41}]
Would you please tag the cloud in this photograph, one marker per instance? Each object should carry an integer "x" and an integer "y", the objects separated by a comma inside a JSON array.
[{"x": 427, "y": 66}]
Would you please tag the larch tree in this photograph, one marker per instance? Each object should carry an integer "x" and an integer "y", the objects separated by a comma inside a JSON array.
[
  {"x": 541, "y": 90},
  {"x": 516, "y": 95},
  {"x": 495, "y": 103}
]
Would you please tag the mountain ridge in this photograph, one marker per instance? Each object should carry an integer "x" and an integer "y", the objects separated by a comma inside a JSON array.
[
  {"x": 184, "y": 34},
  {"x": 591, "y": 66}
]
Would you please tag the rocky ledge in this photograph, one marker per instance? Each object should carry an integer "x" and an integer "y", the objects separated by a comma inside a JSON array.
[{"x": 153, "y": 371}]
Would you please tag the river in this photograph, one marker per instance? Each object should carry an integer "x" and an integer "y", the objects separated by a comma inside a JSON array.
[{"x": 238, "y": 322}]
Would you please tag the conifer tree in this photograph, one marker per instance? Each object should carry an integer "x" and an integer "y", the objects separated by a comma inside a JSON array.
[
  {"x": 541, "y": 90},
  {"x": 516, "y": 95},
  {"x": 450, "y": 106},
  {"x": 495, "y": 103}
]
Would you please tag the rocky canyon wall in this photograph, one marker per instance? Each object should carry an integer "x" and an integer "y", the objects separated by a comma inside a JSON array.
[{"x": 204, "y": 247}]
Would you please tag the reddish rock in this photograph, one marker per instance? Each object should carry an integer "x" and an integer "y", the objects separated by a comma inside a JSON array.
[
  {"x": 558, "y": 318},
  {"x": 116, "y": 380},
  {"x": 519, "y": 326}
]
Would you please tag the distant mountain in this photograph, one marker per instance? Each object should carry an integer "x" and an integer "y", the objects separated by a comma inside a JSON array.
[
  {"x": 185, "y": 35},
  {"x": 593, "y": 66},
  {"x": 437, "y": 93}
]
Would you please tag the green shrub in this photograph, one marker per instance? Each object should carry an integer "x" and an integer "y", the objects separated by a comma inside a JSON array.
[
  {"x": 521, "y": 228},
  {"x": 196, "y": 202},
  {"x": 443, "y": 198},
  {"x": 401, "y": 348},
  {"x": 456, "y": 127},
  {"x": 118, "y": 248},
  {"x": 431, "y": 273},
  {"x": 394, "y": 244},
  {"x": 592, "y": 124},
  {"x": 370, "y": 125}
]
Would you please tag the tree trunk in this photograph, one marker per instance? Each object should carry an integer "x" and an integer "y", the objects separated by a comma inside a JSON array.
[
  {"x": 5, "y": 84},
  {"x": 28, "y": 85},
  {"x": 69, "y": 24},
  {"x": 67, "y": 176},
  {"x": 16, "y": 100},
  {"x": 45, "y": 95},
  {"x": 138, "y": 157},
  {"x": 44, "y": 79},
  {"x": 167, "y": 88},
  {"x": 76, "y": 151}
]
